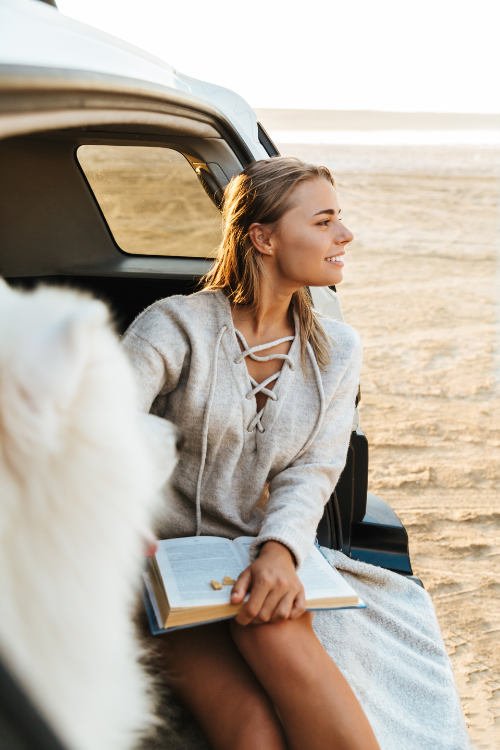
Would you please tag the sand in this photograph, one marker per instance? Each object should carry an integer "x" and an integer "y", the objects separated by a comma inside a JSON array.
[{"x": 421, "y": 286}]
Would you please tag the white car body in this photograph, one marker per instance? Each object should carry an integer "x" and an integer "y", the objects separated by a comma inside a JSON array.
[{"x": 59, "y": 45}]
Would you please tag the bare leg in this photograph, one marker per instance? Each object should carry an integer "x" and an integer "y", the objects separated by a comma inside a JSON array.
[
  {"x": 205, "y": 669},
  {"x": 317, "y": 707}
]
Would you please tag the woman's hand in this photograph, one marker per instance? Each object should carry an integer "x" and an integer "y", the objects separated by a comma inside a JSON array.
[{"x": 276, "y": 592}]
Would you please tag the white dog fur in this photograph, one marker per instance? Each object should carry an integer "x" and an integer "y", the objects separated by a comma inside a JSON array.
[{"x": 80, "y": 473}]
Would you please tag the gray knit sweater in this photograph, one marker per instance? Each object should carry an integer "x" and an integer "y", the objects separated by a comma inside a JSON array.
[{"x": 189, "y": 364}]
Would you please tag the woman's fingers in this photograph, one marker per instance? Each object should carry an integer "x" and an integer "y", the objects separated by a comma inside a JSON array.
[
  {"x": 291, "y": 606},
  {"x": 240, "y": 588},
  {"x": 279, "y": 604},
  {"x": 271, "y": 603},
  {"x": 284, "y": 608},
  {"x": 253, "y": 605},
  {"x": 273, "y": 588},
  {"x": 299, "y": 606}
]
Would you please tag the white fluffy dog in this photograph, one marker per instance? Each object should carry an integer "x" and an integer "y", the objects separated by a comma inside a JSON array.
[{"x": 80, "y": 473}]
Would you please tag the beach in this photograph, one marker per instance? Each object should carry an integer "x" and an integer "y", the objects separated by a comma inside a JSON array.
[{"x": 421, "y": 283}]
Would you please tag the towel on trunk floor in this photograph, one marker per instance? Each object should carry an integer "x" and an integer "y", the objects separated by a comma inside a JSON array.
[{"x": 393, "y": 656}]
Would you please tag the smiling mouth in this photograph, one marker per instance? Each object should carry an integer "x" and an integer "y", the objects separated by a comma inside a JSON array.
[{"x": 334, "y": 258}]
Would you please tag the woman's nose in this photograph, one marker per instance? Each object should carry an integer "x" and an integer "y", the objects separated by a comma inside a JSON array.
[{"x": 343, "y": 234}]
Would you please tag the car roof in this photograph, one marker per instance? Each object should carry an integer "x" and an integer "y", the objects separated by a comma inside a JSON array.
[{"x": 40, "y": 43}]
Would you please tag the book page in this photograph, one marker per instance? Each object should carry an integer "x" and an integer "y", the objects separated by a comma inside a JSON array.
[
  {"x": 188, "y": 564},
  {"x": 320, "y": 579}
]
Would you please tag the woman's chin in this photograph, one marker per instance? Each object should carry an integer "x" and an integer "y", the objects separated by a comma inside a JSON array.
[{"x": 334, "y": 276}]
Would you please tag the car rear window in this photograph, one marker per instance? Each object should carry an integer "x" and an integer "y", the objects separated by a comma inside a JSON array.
[{"x": 152, "y": 200}]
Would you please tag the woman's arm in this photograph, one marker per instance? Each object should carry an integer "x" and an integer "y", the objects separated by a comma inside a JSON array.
[
  {"x": 298, "y": 494},
  {"x": 156, "y": 346},
  {"x": 296, "y": 503}
]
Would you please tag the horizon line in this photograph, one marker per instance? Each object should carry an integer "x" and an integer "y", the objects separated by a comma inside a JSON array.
[{"x": 379, "y": 111}]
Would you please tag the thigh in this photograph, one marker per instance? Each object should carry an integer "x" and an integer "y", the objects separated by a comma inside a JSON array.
[
  {"x": 316, "y": 703},
  {"x": 287, "y": 647},
  {"x": 205, "y": 669}
]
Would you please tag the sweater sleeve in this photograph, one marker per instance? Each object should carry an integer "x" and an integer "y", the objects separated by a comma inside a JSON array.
[
  {"x": 156, "y": 347},
  {"x": 298, "y": 493}
]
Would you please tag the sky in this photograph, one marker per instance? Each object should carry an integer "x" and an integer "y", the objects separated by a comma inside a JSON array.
[{"x": 389, "y": 55}]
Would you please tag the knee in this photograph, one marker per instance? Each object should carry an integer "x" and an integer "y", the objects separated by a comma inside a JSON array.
[{"x": 286, "y": 636}]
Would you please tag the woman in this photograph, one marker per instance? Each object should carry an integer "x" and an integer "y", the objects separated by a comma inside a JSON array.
[{"x": 263, "y": 390}]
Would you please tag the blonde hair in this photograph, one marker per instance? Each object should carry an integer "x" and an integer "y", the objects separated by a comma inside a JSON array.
[{"x": 261, "y": 193}]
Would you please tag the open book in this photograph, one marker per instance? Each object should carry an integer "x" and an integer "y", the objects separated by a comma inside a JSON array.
[{"x": 189, "y": 581}]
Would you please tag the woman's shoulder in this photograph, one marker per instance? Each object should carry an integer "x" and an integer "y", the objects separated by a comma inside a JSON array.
[
  {"x": 181, "y": 311},
  {"x": 177, "y": 307},
  {"x": 346, "y": 351},
  {"x": 342, "y": 335},
  {"x": 182, "y": 303}
]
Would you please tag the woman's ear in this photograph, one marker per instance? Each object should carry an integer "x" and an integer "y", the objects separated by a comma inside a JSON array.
[{"x": 260, "y": 235}]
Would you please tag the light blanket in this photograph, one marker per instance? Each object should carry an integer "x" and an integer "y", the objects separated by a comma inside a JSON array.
[{"x": 392, "y": 654}]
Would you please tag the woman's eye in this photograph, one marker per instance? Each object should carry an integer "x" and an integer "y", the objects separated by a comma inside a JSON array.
[{"x": 324, "y": 223}]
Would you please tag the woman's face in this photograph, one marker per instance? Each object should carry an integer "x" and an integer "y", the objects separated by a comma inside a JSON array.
[{"x": 309, "y": 241}]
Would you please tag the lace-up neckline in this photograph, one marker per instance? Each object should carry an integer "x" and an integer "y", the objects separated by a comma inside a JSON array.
[
  {"x": 226, "y": 325},
  {"x": 249, "y": 351}
]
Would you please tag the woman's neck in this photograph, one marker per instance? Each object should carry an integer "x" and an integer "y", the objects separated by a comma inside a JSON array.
[{"x": 272, "y": 319}]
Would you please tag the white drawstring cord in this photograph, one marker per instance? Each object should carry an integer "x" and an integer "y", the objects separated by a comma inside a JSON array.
[
  {"x": 204, "y": 436},
  {"x": 249, "y": 351},
  {"x": 257, "y": 387}
]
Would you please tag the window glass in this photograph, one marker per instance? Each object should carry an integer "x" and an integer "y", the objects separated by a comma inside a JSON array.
[{"x": 152, "y": 200}]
